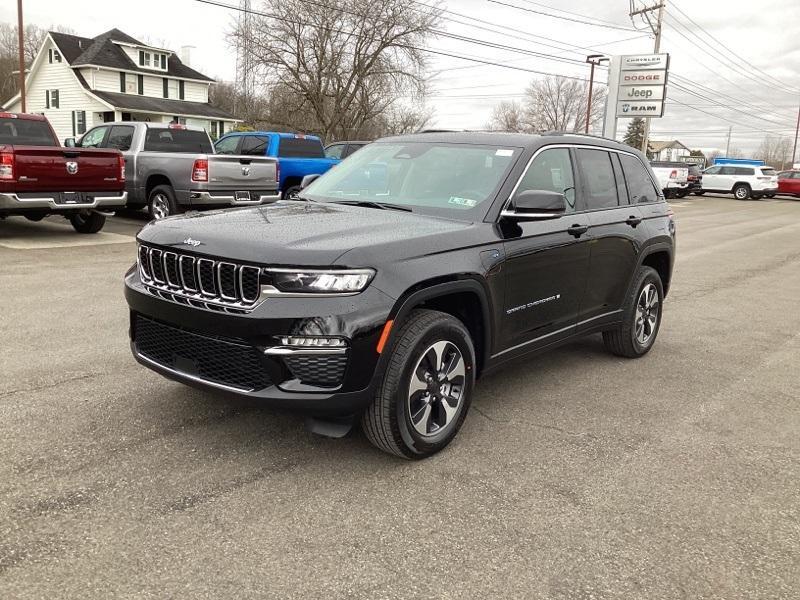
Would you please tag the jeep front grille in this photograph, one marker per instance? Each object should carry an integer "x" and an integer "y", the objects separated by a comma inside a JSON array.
[{"x": 202, "y": 282}]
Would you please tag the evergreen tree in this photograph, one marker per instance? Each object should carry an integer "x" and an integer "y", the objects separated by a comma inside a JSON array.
[{"x": 635, "y": 133}]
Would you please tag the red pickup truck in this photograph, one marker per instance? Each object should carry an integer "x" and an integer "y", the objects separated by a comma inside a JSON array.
[{"x": 38, "y": 177}]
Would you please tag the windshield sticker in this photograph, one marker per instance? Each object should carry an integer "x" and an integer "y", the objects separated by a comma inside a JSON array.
[
  {"x": 504, "y": 152},
  {"x": 468, "y": 202}
]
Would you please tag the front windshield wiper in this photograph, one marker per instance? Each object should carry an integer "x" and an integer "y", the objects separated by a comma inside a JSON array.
[{"x": 373, "y": 204}]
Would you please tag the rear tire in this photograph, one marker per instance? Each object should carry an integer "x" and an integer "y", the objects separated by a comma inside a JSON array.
[
  {"x": 87, "y": 223},
  {"x": 291, "y": 192},
  {"x": 35, "y": 217},
  {"x": 741, "y": 191},
  {"x": 641, "y": 317},
  {"x": 427, "y": 388},
  {"x": 681, "y": 194},
  {"x": 699, "y": 192},
  {"x": 162, "y": 204}
]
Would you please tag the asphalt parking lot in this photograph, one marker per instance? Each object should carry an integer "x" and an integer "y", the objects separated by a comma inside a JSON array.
[{"x": 577, "y": 474}]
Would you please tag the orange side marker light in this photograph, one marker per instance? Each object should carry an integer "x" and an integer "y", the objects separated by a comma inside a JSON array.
[{"x": 384, "y": 335}]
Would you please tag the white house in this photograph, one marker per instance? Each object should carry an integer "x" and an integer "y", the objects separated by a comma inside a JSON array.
[
  {"x": 671, "y": 150},
  {"x": 79, "y": 82}
]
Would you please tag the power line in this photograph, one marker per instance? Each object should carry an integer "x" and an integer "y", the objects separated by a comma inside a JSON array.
[{"x": 546, "y": 14}]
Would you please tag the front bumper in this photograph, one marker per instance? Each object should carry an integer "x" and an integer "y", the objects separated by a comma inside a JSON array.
[
  {"x": 230, "y": 198},
  {"x": 58, "y": 202},
  {"x": 241, "y": 354}
]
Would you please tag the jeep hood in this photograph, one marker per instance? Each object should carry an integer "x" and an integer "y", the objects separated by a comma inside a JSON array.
[{"x": 301, "y": 233}]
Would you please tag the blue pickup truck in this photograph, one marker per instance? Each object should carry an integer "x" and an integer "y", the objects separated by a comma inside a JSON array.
[{"x": 298, "y": 154}]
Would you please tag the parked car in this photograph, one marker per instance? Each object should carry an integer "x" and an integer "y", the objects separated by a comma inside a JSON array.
[
  {"x": 171, "y": 168},
  {"x": 695, "y": 180},
  {"x": 297, "y": 154},
  {"x": 741, "y": 181},
  {"x": 38, "y": 177},
  {"x": 341, "y": 150},
  {"x": 789, "y": 183},
  {"x": 673, "y": 177},
  {"x": 389, "y": 290}
]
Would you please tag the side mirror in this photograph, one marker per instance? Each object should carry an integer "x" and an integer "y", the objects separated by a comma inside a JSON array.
[
  {"x": 70, "y": 142},
  {"x": 535, "y": 205},
  {"x": 308, "y": 180}
]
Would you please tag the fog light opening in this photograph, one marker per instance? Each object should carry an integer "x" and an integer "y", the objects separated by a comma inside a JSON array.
[{"x": 297, "y": 341}]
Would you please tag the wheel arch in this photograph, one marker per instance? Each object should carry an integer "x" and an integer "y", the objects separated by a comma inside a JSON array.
[
  {"x": 153, "y": 181},
  {"x": 465, "y": 298},
  {"x": 659, "y": 257}
]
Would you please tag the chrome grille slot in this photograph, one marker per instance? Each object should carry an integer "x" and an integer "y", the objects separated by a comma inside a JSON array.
[
  {"x": 206, "y": 283},
  {"x": 157, "y": 265},
  {"x": 188, "y": 273},
  {"x": 205, "y": 273},
  {"x": 144, "y": 263},
  {"x": 226, "y": 273},
  {"x": 171, "y": 269}
]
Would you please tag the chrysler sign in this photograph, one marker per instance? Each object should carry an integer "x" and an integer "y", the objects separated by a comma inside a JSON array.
[{"x": 640, "y": 85}]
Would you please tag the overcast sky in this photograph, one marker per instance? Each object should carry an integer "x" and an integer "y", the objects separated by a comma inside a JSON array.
[{"x": 764, "y": 33}]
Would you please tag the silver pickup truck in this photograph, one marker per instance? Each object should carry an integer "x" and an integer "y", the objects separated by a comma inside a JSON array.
[{"x": 171, "y": 168}]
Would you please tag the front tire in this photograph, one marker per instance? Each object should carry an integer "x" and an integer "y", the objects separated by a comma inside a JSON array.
[
  {"x": 90, "y": 222},
  {"x": 741, "y": 191},
  {"x": 161, "y": 203},
  {"x": 641, "y": 317},
  {"x": 427, "y": 388},
  {"x": 291, "y": 192}
]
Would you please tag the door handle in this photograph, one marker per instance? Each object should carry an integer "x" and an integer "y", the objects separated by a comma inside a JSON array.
[
  {"x": 633, "y": 221},
  {"x": 578, "y": 230}
]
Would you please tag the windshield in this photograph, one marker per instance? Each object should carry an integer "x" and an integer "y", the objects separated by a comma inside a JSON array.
[{"x": 439, "y": 178}]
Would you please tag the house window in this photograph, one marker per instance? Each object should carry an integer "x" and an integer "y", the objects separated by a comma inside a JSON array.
[
  {"x": 144, "y": 58},
  {"x": 180, "y": 89},
  {"x": 214, "y": 129},
  {"x": 179, "y": 120},
  {"x": 165, "y": 83},
  {"x": 53, "y": 55},
  {"x": 221, "y": 128},
  {"x": 140, "y": 81},
  {"x": 173, "y": 88},
  {"x": 78, "y": 122},
  {"x": 122, "y": 82},
  {"x": 51, "y": 99},
  {"x": 164, "y": 61}
]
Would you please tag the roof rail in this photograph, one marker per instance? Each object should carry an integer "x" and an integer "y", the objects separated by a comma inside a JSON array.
[{"x": 577, "y": 133}]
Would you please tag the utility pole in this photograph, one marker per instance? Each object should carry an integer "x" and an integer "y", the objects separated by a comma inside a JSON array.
[
  {"x": 594, "y": 60},
  {"x": 656, "y": 28},
  {"x": 796, "y": 131},
  {"x": 728, "y": 145},
  {"x": 21, "y": 42}
]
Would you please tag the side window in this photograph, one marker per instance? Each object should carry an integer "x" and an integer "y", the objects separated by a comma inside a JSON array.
[
  {"x": 228, "y": 145},
  {"x": 744, "y": 171},
  {"x": 94, "y": 138},
  {"x": 622, "y": 190},
  {"x": 120, "y": 137},
  {"x": 551, "y": 171},
  {"x": 254, "y": 145},
  {"x": 598, "y": 177},
  {"x": 727, "y": 171},
  {"x": 336, "y": 151},
  {"x": 712, "y": 171},
  {"x": 640, "y": 185}
]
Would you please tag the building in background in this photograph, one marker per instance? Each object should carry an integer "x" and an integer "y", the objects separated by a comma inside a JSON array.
[
  {"x": 79, "y": 82},
  {"x": 669, "y": 150}
]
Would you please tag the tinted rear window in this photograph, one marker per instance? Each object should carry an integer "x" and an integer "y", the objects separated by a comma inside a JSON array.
[
  {"x": 769, "y": 172},
  {"x": 177, "y": 140},
  {"x": 23, "y": 132},
  {"x": 300, "y": 148},
  {"x": 640, "y": 186},
  {"x": 743, "y": 171}
]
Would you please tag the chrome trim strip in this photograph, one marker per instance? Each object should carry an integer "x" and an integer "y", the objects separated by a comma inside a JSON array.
[
  {"x": 241, "y": 282},
  {"x": 270, "y": 291},
  {"x": 331, "y": 270},
  {"x": 221, "y": 386},
  {"x": 292, "y": 351}
]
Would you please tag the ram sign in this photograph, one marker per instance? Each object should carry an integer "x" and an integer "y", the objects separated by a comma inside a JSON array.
[{"x": 641, "y": 85}]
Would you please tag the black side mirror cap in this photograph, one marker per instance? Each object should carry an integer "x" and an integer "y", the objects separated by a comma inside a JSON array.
[
  {"x": 534, "y": 205},
  {"x": 308, "y": 180}
]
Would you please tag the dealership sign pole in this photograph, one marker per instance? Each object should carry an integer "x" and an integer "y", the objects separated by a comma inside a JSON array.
[{"x": 636, "y": 88}]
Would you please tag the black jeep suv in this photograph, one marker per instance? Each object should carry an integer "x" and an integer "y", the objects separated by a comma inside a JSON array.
[{"x": 398, "y": 278}]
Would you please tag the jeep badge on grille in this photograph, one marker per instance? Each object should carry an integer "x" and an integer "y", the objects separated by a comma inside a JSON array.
[{"x": 190, "y": 242}]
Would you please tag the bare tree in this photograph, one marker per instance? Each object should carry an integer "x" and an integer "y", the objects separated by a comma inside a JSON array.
[
  {"x": 556, "y": 103},
  {"x": 338, "y": 65},
  {"x": 508, "y": 115},
  {"x": 33, "y": 37},
  {"x": 776, "y": 151}
]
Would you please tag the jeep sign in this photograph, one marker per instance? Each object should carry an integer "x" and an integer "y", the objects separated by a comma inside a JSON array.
[
  {"x": 641, "y": 92},
  {"x": 636, "y": 88}
]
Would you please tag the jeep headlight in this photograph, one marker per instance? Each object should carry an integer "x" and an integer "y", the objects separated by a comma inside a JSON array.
[{"x": 321, "y": 281}]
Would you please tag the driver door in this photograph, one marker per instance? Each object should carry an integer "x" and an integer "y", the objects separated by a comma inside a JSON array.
[{"x": 547, "y": 261}]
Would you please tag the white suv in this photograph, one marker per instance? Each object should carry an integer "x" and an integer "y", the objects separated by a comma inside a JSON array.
[{"x": 742, "y": 182}]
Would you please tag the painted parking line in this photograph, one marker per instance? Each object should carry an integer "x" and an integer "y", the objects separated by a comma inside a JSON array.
[{"x": 17, "y": 234}]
